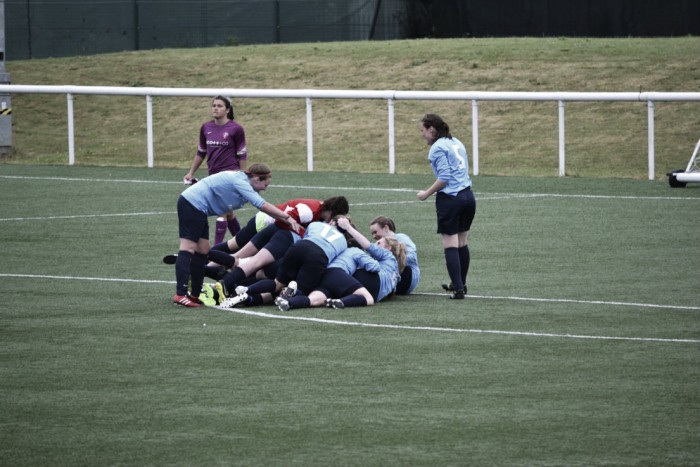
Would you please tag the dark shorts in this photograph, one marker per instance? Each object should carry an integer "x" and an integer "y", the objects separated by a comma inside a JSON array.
[
  {"x": 337, "y": 283},
  {"x": 455, "y": 213},
  {"x": 193, "y": 223},
  {"x": 405, "y": 281},
  {"x": 305, "y": 263},
  {"x": 246, "y": 233},
  {"x": 274, "y": 239},
  {"x": 369, "y": 280}
]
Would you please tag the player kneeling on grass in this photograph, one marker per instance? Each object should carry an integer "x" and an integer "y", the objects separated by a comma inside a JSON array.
[
  {"x": 357, "y": 277},
  {"x": 222, "y": 192}
]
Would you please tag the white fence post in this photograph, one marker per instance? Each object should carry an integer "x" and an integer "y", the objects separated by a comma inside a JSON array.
[
  {"x": 71, "y": 131},
  {"x": 650, "y": 118},
  {"x": 475, "y": 137},
  {"x": 149, "y": 130},
  {"x": 309, "y": 137},
  {"x": 392, "y": 155},
  {"x": 562, "y": 150}
]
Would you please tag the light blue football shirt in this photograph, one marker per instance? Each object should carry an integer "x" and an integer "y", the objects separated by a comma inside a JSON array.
[
  {"x": 354, "y": 258},
  {"x": 411, "y": 259},
  {"x": 223, "y": 192},
  {"x": 330, "y": 239},
  {"x": 388, "y": 270},
  {"x": 448, "y": 159}
]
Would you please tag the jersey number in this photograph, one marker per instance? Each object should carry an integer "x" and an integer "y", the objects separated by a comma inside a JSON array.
[
  {"x": 335, "y": 235},
  {"x": 461, "y": 163}
]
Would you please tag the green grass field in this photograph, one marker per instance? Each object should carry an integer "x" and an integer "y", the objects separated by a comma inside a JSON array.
[{"x": 579, "y": 343}]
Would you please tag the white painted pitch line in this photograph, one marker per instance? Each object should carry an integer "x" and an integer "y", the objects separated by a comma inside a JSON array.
[
  {"x": 96, "y": 279},
  {"x": 404, "y": 327},
  {"x": 101, "y": 180},
  {"x": 398, "y": 190},
  {"x": 455, "y": 330},
  {"x": 486, "y": 297},
  {"x": 87, "y": 216},
  {"x": 568, "y": 300}
]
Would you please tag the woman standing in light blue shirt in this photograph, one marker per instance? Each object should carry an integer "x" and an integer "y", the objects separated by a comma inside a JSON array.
[{"x": 454, "y": 201}]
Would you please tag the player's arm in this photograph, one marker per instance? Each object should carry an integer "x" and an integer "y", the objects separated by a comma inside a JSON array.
[
  {"x": 196, "y": 163},
  {"x": 294, "y": 214},
  {"x": 434, "y": 188},
  {"x": 277, "y": 213},
  {"x": 366, "y": 262},
  {"x": 240, "y": 147},
  {"x": 198, "y": 157},
  {"x": 344, "y": 223}
]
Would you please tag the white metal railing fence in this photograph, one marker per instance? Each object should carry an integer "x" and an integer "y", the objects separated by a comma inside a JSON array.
[{"x": 389, "y": 96}]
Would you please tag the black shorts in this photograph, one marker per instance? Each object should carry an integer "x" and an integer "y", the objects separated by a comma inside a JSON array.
[
  {"x": 336, "y": 283},
  {"x": 246, "y": 233},
  {"x": 304, "y": 263},
  {"x": 370, "y": 281},
  {"x": 455, "y": 213},
  {"x": 274, "y": 239},
  {"x": 193, "y": 223},
  {"x": 405, "y": 281}
]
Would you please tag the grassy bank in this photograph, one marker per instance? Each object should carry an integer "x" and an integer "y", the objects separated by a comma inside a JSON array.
[{"x": 603, "y": 139}]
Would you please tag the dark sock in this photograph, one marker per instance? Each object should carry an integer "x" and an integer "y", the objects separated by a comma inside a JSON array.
[
  {"x": 453, "y": 268},
  {"x": 299, "y": 301},
  {"x": 254, "y": 300},
  {"x": 182, "y": 271},
  {"x": 222, "y": 258},
  {"x": 215, "y": 272},
  {"x": 464, "y": 262},
  {"x": 233, "y": 226},
  {"x": 232, "y": 279},
  {"x": 262, "y": 286},
  {"x": 354, "y": 300},
  {"x": 223, "y": 246},
  {"x": 199, "y": 261}
]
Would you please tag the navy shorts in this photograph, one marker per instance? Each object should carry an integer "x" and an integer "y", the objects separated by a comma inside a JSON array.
[
  {"x": 336, "y": 283},
  {"x": 305, "y": 263},
  {"x": 193, "y": 223},
  {"x": 455, "y": 213},
  {"x": 370, "y": 281},
  {"x": 246, "y": 233},
  {"x": 274, "y": 239},
  {"x": 405, "y": 281}
]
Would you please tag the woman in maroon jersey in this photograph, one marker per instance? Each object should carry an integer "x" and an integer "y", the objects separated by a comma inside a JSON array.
[{"x": 222, "y": 143}]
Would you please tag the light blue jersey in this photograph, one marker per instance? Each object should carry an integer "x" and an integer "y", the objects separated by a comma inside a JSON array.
[
  {"x": 222, "y": 192},
  {"x": 330, "y": 239},
  {"x": 448, "y": 159},
  {"x": 388, "y": 270},
  {"x": 411, "y": 260},
  {"x": 353, "y": 259}
]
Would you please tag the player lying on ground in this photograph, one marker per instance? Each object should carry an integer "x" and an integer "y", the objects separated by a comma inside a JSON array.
[
  {"x": 357, "y": 277},
  {"x": 272, "y": 243},
  {"x": 302, "y": 266}
]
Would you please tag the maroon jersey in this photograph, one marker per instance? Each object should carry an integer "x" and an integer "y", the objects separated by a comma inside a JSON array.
[{"x": 223, "y": 146}]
